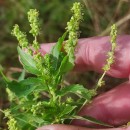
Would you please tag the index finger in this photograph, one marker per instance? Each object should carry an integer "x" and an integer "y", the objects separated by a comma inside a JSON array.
[{"x": 91, "y": 54}]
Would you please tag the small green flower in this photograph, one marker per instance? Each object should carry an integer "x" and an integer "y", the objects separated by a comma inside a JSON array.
[
  {"x": 11, "y": 95},
  {"x": 110, "y": 54},
  {"x": 12, "y": 123},
  {"x": 38, "y": 59},
  {"x": 73, "y": 27},
  {"x": 33, "y": 18},
  {"x": 113, "y": 36},
  {"x": 21, "y": 37}
]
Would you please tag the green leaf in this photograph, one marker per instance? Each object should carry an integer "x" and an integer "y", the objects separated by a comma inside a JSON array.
[
  {"x": 3, "y": 76},
  {"x": 91, "y": 119},
  {"x": 24, "y": 87},
  {"x": 29, "y": 118},
  {"x": 65, "y": 66},
  {"x": 56, "y": 51},
  {"x": 22, "y": 76},
  {"x": 28, "y": 62},
  {"x": 26, "y": 104},
  {"x": 67, "y": 110},
  {"x": 78, "y": 90},
  {"x": 57, "y": 48}
]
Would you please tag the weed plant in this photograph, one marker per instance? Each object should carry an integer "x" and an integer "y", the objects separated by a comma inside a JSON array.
[{"x": 43, "y": 98}]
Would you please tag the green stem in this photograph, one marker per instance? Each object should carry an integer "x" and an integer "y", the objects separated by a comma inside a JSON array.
[
  {"x": 100, "y": 80},
  {"x": 4, "y": 77},
  {"x": 1, "y": 111}
]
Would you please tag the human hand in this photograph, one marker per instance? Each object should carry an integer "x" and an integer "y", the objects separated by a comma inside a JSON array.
[{"x": 112, "y": 107}]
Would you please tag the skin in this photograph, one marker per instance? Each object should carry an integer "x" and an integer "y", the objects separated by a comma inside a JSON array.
[{"x": 112, "y": 107}]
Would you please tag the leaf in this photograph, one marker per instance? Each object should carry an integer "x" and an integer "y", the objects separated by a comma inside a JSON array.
[
  {"x": 91, "y": 119},
  {"x": 56, "y": 51},
  {"x": 3, "y": 76},
  {"x": 26, "y": 104},
  {"x": 67, "y": 109},
  {"x": 28, "y": 118},
  {"x": 65, "y": 65},
  {"x": 57, "y": 48},
  {"x": 76, "y": 89},
  {"x": 22, "y": 76},
  {"x": 25, "y": 87},
  {"x": 28, "y": 62}
]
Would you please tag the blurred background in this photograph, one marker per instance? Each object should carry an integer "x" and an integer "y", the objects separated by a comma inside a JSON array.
[{"x": 99, "y": 15}]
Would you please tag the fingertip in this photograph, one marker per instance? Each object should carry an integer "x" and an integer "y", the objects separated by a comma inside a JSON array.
[
  {"x": 92, "y": 52},
  {"x": 62, "y": 127},
  {"x": 71, "y": 127}
]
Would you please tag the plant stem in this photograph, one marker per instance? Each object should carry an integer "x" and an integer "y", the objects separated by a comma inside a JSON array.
[
  {"x": 4, "y": 77},
  {"x": 100, "y": 80}
]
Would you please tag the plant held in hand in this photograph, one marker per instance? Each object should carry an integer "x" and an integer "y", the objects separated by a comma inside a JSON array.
[{"x": 43, "y": 98}]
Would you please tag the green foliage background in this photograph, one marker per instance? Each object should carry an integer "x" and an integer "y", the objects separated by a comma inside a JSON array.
[{"x": 54, "y": 14}]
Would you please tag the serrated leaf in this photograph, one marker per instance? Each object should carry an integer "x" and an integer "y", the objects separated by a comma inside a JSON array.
[
  {"x": 28, "y": 62},
  {"x": 25, "y": 87},
  {"x": 91, "y": 119},
  {"x": 76, "y": 89}
]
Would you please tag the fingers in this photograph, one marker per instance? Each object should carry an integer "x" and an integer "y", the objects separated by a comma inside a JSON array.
[
  {"x": 70, "y": 127},
  {"x": 112, "y": 107},
  {"x": 91, "y": 55}
]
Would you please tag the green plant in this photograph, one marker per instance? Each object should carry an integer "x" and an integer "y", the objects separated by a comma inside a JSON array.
[{"x": 44, "y": 98}]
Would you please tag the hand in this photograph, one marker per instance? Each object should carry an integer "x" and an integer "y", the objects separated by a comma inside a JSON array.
[{"x": 112, "y": 107}]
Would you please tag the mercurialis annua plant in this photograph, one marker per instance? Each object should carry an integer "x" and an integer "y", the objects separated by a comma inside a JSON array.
[{"x": 44, "y": 98}]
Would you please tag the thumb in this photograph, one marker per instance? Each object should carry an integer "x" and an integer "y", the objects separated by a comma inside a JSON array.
[{"x": 70, "y": 127}]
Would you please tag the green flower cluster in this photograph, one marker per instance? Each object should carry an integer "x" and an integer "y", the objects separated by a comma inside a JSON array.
[
  {"x": 21, "y": 37},
  {"x": 12, "y": 123},
  {"x": 110, "y": 54},
  {"x": 110, "y": 59},
  {"x": 35, "y": 108},
  {"x": 38, "y": 59},
  {"x": 33, "y": 18},
  {"x": 11, "y": 95},
  {"x": 73, "y": 27}
]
